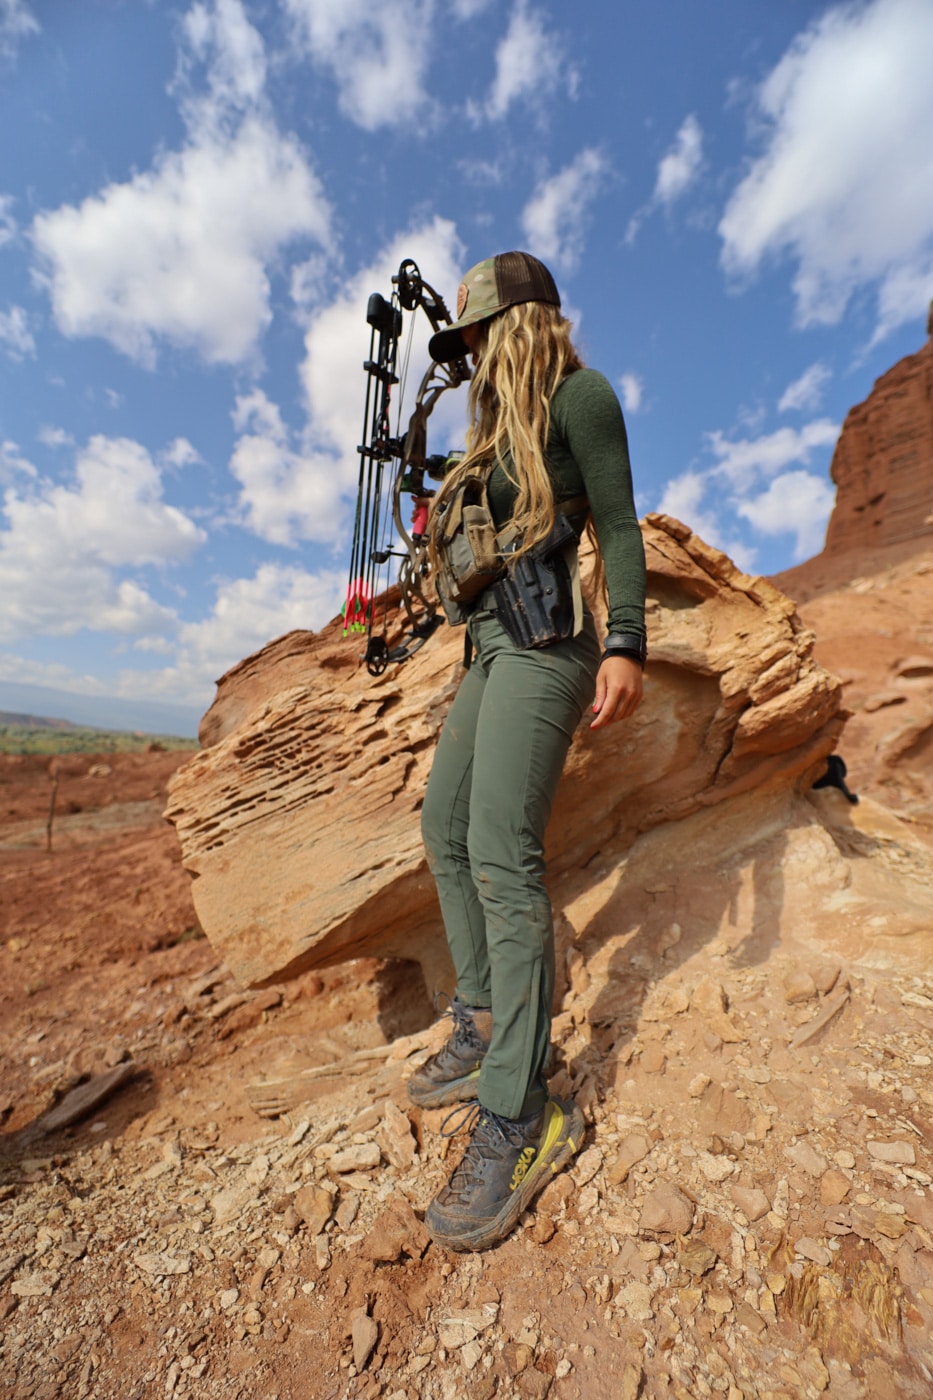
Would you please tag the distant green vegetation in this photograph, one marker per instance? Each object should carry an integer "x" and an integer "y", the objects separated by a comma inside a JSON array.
[{"x": 27, "y": 738}]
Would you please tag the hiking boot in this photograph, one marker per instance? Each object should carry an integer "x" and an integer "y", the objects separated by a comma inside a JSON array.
[
  {"x": 505, "y": 1165},
  {"x": 452, "y": 1075}
]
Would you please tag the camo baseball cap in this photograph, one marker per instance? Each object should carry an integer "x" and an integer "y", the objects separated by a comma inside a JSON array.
[{"x": 488, "y": 288}]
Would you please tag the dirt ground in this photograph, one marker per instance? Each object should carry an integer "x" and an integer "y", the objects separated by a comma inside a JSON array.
[{"x": 239, "y": 1213}]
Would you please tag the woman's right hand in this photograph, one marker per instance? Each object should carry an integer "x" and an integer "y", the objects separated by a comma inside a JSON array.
[{"x": 619, "y": 688}]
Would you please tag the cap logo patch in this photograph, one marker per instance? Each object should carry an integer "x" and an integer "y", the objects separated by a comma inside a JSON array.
[{"x": 462, "y": 298}]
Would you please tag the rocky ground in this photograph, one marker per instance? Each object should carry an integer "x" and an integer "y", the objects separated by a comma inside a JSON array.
[
  {"x": 206, "y": 1191},
  {"x": 750, "y": 1216}
]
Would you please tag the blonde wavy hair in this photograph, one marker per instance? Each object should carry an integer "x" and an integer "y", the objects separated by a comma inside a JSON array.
[{"x": 522, "y": 355}]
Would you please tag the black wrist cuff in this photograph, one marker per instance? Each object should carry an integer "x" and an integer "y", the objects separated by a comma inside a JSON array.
[{"x": 626, "y": 644}]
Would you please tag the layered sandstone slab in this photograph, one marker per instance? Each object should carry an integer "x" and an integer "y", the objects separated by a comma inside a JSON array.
[
  {"x": 300, "y": 821},
  {"x": 883, "y": 462}
]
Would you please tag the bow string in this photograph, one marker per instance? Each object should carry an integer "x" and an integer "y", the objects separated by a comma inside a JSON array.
[{"x": 379, "y": 527}]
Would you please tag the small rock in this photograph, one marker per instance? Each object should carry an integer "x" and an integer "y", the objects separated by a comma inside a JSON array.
[
  {"x": 635, "y": 1300},
  {"x": 834, "y": 1187},
  {"x": 470, "y": 1355},
  {"x": 844, "y": 1158},
  {"x": 587, "y": 1165},
  {"x": 587, "y": 1201},
  {"x": 891, "y": 1226},
  {"x": 826, "y": 978},
  {"x": 230, "y": 1203},
  {"x": 806, "y": 1157},
  {"x": 544, "y": 1228},
  {"x": 633, "y": 1149},
  {"x": 799, "y": 986},
  {"x": 228, "y": 1298},
  {"x": 347, "y": 1211},
  {"x": 719, "y": 1303},
  {"x": 697, "y": 1258},
  {"x": 455, "y": 1329},
  {"x": 811, "y": 1249},
  {"x": 258, "y": 1170},
  {"x": 653, "y": 1060},
  {"x": 898, "y": 1153},
  {"x": 397, "y": 1231},
  {"x": 632, "y": 1377},
  {"x": 667, "y": 1211},
  {"x": 709, "y": 996},
  {"x": 517, "y": 1357},
  {"x": 714, "y": 1168},
  {"x": 394, "y": 1137},
  {"x": 322, "y": 1252},
  {"x": 361, "y": 1157},
  {"x": 161, "y": 1265},
  {"x": 757, "y": 1074},
  {"x": 34, "y": 1286},
  {"x": 314, "y": 1204},
  {"x": 698, "y": 1085},
  {"x": 752, "y": 1202},
  {"x": 365, "y": 1335}
]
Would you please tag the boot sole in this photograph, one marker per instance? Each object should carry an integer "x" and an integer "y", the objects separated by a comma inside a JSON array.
[
  {"x": 562, "y": 1138},
  {"x": 457, "y": 1091}
]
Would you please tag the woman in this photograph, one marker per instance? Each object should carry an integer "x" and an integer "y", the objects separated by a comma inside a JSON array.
[{"x": 546, "y": 433}]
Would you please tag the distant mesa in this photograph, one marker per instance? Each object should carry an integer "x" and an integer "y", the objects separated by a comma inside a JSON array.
[
  {"x": 883, "y": 462},
  {"x": 9, "y": 720}
]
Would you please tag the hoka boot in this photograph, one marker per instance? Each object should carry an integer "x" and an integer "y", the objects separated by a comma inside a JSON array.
[
  {"x": 452, "y": 1075},
  {"x": 507, "y": 1162}
]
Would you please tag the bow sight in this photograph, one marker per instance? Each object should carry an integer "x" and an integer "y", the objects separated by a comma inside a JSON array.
[{"x": 378, "y": 525}]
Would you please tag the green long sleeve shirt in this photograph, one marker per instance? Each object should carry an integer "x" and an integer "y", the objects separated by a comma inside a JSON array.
[{"x": 587, "y": 453}]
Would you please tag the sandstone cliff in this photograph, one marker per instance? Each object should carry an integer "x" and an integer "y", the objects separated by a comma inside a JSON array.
[
  {"x": 883, "y": 462},
  {"x": 300, "y": 821}
]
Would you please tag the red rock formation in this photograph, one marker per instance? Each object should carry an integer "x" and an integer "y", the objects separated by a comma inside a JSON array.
[
  {"x": 883, "y": 463},
  {"x": 301, "y": 821}
]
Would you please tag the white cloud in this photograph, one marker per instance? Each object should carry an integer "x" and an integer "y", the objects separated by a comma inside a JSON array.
[
  {"x": 16, "y": 22},
  {"x": 63, "y": 545},
  {"x": 843, "y": 185},
  {"x": 677, "y": 171},
  {"x": 806, "y": 393},
  {"x": 750, "y": 482},
  {"x": 529, "y": 65},
  {"x": 469, "y": 9},
  {"x": 12, "y": 464},
  {"x": 8, "y": 225},
  {"x": 285, "y": 495},
  {"x": 554, "y": 219},
  {"x": 15, "y": 336},
  {"x": 743, "y": 460},
  {"x": 633, "y": 388},
  {"x": 680, "y": 166},
  {"x": 54, "y": 437},
  {"x": 220, "y": 38},
  {"x": 180, "y": 453},
  {"x": 796, "y": 503},
  {"x": 684, "y": 498},
  {"x": 179, "y": 252},
  {"x": 247, "y": 613},
  {"x": 377, "y": 53}
]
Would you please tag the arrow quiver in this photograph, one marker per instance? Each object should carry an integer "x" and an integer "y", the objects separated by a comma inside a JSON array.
[{"x": 392, "y": 466}]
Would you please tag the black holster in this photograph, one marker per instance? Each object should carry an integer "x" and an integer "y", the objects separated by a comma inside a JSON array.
[{"x": 534, "y": 599}]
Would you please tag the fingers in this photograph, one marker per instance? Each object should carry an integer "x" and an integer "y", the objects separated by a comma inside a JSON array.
[{"x": 618, "y": 691}]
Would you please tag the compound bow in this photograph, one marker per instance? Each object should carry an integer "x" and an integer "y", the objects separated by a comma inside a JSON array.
[{"x": 375, "y": 524}]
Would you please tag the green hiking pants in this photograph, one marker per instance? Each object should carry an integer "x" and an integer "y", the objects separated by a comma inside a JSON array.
[{"x": 488, "y": 800}]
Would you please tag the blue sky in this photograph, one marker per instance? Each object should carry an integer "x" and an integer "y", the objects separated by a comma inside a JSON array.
[{"x": 736, "y": 198}]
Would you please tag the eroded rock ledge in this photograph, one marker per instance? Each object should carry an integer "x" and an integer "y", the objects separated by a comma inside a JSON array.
[{"x": 300, "y": 820}]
